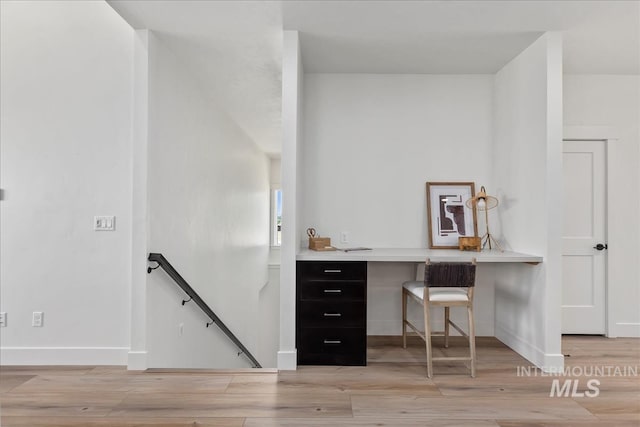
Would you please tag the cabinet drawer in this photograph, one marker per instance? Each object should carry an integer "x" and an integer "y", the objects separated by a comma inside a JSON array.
[
  {"x": 332, "y": 313},
  {"x": 339, "y": 359},
  {"x": 328, "y": 270},
  {"x": 332, "y": 291},
  {"x": 347, "y": 346}
]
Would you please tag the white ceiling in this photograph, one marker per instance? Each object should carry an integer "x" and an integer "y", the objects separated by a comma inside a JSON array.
[
  {"x": 234, "y": 47},
  {"x": 461, "y": 36}
]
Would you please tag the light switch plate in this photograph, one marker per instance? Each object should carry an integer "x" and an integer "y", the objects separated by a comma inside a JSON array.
[{"x": 104, "y": 223}]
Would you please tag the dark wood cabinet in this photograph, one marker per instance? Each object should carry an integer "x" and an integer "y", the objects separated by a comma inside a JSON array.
[{"x": 331, "y": 313}]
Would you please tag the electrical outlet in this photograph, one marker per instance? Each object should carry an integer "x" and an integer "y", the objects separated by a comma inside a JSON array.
[
  {"x": 38, "y": 319},
  {"x": 344, "y": 237},
  {"x": 104, "y": 223},
  {"x": 3, "y": 319}
]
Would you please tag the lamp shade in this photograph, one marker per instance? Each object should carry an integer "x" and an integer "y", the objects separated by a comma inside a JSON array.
[{"x": 482, "y": 201}]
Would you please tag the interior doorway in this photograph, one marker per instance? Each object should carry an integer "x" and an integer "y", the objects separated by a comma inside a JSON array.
[{"x": 584, "y": 251}]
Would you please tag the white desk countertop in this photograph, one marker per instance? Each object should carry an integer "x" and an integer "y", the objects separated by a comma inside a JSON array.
[{"x": 417, "y": 255}]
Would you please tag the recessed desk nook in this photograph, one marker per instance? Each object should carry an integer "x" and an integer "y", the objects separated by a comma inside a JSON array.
[
  {"x": 331, "y": 296},
  {"x": 359, "y": 146}
]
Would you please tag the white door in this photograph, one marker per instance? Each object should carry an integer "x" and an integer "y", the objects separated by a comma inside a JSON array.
[{"x": 584, "y": 238}]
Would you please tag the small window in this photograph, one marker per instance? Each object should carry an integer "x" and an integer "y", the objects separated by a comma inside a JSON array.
[{"x": 276, "y": 217}]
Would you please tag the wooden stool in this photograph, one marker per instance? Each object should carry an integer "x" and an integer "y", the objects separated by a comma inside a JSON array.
[{"x": 447, "y": 285}]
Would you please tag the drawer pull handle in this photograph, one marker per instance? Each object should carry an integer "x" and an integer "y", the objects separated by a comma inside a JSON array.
[
  {"x": 333, "y": 271},
  {"x": 333, "y": 291},
  {"x": 332, "y": 342},
  {"x": 333, "y": 315}
]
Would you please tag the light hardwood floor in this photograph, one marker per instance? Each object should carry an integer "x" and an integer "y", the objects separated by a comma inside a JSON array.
[{"x": 392, "y": 391}]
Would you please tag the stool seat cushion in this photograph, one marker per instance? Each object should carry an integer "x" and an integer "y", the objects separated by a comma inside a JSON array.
[{"x": 436, "y": 294}]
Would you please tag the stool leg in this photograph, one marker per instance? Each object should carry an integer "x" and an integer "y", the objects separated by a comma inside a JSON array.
[
  {"x": 472, "y": 341},
  {"x": 404, "y": 318},
  {"x": 446, "y": 327},
  {"x": 427, "y": 336}
]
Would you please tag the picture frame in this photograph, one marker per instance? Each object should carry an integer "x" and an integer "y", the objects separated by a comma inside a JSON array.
[{"x": 448, "y": 216}]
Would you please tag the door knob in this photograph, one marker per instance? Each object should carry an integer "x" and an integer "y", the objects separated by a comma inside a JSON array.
[{"x": 600, "y": 246}]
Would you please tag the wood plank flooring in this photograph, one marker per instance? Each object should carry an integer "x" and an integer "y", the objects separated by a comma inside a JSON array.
[{"x": 392, "y": 391}]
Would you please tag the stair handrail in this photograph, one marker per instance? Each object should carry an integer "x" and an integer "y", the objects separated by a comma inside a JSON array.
[{"x": 193, "y": 296}]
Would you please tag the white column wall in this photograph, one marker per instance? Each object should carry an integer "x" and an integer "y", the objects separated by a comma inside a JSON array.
[
  {"x": 139, "y": 216},
  {"x": 527, "y": 155},
  {"x": 292, "y": 77}
]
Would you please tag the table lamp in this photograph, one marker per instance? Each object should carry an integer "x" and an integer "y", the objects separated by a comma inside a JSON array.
[{"x": 484, "y": 202}]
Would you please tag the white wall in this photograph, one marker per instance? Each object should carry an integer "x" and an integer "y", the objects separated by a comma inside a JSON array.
[
  {"x": 613, "y": 101},
  {"x": 208, "y": 210},
  {"x": 275, "y": 175},
  {"x": 527, "y": 154},
  {"x": 275, "y": 180},
  {"x": 269, "y": 317},
  {"x": 292, "y": 81},
  {"x": 66, "y": 108},
  {"x": 269, "y": 320},
  {"x": 371, "y": 142}
]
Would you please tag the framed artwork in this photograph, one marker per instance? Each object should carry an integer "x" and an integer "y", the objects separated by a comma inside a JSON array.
[{"x": 448, "y": 216}]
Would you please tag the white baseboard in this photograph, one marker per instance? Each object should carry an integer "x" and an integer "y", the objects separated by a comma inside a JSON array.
[
  {"x": 627, "y": 330},
  {"x": 545, "y": 361},
  {"x": 287, "y": 360},
  {"x": 63, "y": 355},
  {"x": 137, "y": 361},
  {"x": 553, "y": 362}
]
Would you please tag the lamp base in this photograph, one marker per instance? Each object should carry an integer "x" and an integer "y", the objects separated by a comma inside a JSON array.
[{"x": 488, "y": 239}]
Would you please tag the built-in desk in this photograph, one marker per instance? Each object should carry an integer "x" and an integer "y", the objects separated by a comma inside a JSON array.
[
  {"x": 331, "y": 297},
  {"x": 417, "y": 255}
]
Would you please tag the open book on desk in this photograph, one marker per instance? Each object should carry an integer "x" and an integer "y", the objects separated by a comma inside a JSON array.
[{"x": 353, "y": 249}]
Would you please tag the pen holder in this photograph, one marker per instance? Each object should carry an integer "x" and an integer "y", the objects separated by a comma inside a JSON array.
[{"x": 320, "y": 244}]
